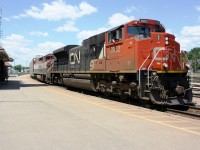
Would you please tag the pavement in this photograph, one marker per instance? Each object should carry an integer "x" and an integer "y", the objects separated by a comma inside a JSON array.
[{"x": 35, "y": 116}]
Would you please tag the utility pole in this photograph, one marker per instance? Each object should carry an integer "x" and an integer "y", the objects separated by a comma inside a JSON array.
[{"x": 1, "y": 32}]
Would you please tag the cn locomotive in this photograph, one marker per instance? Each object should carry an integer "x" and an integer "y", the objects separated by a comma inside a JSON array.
[{"x": 137, "y": 59}]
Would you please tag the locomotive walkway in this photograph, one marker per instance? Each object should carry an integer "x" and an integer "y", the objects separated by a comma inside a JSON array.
[{"x": 35, "y": 116}]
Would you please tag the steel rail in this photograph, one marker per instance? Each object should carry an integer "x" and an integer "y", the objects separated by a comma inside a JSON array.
[{"x": 189, "y": 113}]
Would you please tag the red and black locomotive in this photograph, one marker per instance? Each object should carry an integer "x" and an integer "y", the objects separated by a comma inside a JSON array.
[{"x": 137, "y": 59}]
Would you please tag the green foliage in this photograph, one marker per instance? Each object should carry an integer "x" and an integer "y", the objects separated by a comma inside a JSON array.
[
  {"x": 194, "y": 57},
  {"x": 18, "y": 68}
]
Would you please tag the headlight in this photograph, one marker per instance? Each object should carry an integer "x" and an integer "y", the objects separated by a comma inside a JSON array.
[
  {"x": 166, "y": 40},
  {"x": 165, "y": 65},
  {"x": 48, "y": 65},
  {"x": 187, "y": 66}
]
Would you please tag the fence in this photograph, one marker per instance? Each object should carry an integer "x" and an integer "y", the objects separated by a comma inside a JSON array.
[{"x": 195, "y": 82}]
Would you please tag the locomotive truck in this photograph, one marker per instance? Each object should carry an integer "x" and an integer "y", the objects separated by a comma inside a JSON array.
[{"x": 137, "y": 59}]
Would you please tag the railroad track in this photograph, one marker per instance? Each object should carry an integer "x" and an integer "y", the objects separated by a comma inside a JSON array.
[
  {"x": 195, "y": 83},
  {"x": 187, "y": 111},
  {"x": 196, "y": 95}
]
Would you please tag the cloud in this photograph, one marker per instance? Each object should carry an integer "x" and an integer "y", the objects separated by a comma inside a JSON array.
[
  {"x": 88, "y": 33},
  {"x": 7, "y": 19},
  {"x": 191, "y": 31},
  {"x": 189, "y": 37},
  {"x": 198, "y": 8},
  {"x": 47, "y": 47},
  {"x": 112, "y": 22},
  {"x": 39, "y": 33},
  {"x": 131, "y": 9},
  {"x": 69, "y": 26},
  {"x": 118, "y": 19},
  {"x": 20, "y": 48},
  {"x": 169, "y": 31},
  {"x": 19, "y": 16},
  {"x": 14, "y": 42},
  {"x": 58, "y": 10}
]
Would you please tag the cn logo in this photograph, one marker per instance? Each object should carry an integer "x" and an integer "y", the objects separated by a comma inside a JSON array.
[
  {"x": 74, "y": 58},
  {"x": 157, "y": 50}
]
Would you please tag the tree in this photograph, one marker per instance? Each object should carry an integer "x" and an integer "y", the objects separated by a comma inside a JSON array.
[
  {"x": 194, "y": 57},
  {"x": 18, "y": 68}
]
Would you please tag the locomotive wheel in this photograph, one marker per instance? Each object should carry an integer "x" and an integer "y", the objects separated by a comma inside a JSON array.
[
  {"x": 144, "y": 102},
  {"x": 155, "y": 97},
  {"x": 106, "y": 94},
  {"x": 123, "y": 96}
]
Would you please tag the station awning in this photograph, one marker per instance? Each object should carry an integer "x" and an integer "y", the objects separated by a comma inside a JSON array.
[
  {"x": 3, "y": 55},
  {"x": 7, "y": 64}
]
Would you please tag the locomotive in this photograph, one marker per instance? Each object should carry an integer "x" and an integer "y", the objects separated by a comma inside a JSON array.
[{"x": 137, "y": 59}]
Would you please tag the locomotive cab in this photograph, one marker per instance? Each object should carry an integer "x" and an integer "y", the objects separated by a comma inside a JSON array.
[{"x": 143, "y": 47}]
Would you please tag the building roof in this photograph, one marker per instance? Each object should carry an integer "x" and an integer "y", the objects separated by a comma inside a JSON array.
[
  {"x": 3, "y": 55},
  {"x": 7, "y": 64}
]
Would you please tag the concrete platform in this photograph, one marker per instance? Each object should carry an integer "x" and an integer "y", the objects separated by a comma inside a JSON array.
[{"x": 35, "y": 116}]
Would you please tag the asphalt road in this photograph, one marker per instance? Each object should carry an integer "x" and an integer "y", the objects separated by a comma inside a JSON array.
[{"x": 35, "y": 116}]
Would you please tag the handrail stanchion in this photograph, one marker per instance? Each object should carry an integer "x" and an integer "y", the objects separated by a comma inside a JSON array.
[
  {"x": 140, "y": 71},
  {"x": 151, "y": 64}
]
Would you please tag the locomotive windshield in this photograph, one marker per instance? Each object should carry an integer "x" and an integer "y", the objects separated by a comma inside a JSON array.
[
  {"x": 49, "y": 57},
  {"x": 158, "y": 29},
  {"x": 136, "y": 30}
]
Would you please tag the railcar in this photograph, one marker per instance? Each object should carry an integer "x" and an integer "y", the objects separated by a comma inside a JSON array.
[
  {"x": 40, "y": 67},
  {"x": 137, "y": 59}
]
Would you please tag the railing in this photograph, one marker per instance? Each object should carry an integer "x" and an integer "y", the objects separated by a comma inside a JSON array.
[
  {"x": 140, "y": 71},
  {"x": 151, "y": 64},
  {"x": 195, "y": 83},
  {"x": 184, "y": 58}
]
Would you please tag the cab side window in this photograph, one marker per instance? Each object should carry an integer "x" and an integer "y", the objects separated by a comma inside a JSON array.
[
  {"x": 41, "y": 59},
  {"x": 115, "y": 35}
]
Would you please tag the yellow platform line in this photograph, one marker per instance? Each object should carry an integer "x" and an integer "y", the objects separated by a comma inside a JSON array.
[
  {"x": 191, "y": 127},
  {"x": 135, "y": 116},
  {"x": 131, "y": 111},
  {"x": 157, "y": 116},
  {"x": 174, "y": 121},
  {"x": 147, "y": 116}
]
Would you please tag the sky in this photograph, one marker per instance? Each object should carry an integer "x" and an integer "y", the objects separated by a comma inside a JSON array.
[{"x": 38, "y": 27}]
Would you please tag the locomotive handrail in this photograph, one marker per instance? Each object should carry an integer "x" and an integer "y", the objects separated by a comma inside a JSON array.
[
  {"x": 151, "y": 64},
  {"x": 179, "y": 61},
  {"x": 185, "y": 58},
  {"x": 140, "y": 71}
]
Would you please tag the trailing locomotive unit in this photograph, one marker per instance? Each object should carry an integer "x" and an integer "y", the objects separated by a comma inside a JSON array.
[
  {"x": 41, "y": 66},
  {"x": 138, "y": 59}
]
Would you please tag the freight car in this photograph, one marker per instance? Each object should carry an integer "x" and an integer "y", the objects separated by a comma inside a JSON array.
[{"x": 137, "y": 59}]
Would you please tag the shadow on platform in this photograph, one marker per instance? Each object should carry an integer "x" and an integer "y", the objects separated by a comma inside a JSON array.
[
  {"x": 10, "y": 85},
  {"x": 15, "y": 85},
  {"x": 32, "y": 85}
]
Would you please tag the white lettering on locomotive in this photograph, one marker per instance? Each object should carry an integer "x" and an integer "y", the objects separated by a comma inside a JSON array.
[
  {"x": 156, "y": 50},
  {"x": 114, "y": 49},
  {"x": 74, "y": 57}
]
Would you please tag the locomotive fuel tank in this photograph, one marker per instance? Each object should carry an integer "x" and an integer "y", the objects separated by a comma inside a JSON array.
[{"x": 79, "y": 83}]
